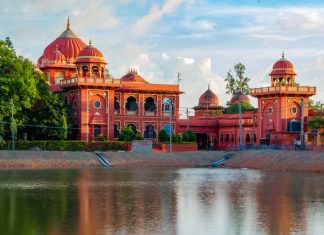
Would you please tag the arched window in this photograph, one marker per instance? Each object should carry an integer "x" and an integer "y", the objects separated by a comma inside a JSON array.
[
  {"x": 254, "y": 137},
  {"x": 167, "y": 107},
  {"x": 232, "y": 138},
  {"x": 133, "y": 128},
  {"x": 227, "y": 138},
  {"x": 221, "y": 138},
  {"x": 131, "y": 104},
  {"x": 149, "y": 104},
  {"x": 149, "y": 132},
  {"x": 247, "y": 138},
  {"x": 116, "y": 131},
  {"x": 116, "y": 104}
]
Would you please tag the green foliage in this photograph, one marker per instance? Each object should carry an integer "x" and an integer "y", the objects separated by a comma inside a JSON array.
[
  {"x": 177, "y": 138},
  {"x": 315, "y": 105},
  {"x": 139, "y": 136},
  {"x": 17, "y": 82},
  {"x": 191, "y": 136},
  {"x": 234, "y": 108},
  {"x": 217, "y": 112},
  {"x": 127, "y": 134},
  {"x": 34, "y": 103},
  {"x": 101, "y": 137},
  {"x": 316, "y": 123},
  {"x": 239, "y": 83},
  {"x": 163, "y": 136},
  {"x": 61, "y": 145}
]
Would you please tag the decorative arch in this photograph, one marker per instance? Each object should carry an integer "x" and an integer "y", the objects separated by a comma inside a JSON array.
[
  {"x": 131, "y": 104},
  {"x": 149, "y": 132}
]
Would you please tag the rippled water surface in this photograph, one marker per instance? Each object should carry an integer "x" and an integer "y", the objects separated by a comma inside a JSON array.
[{"x": 160, "y": 201}]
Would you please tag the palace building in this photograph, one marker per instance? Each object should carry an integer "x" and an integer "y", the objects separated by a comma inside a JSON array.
[{"x": 103, "y": 105}]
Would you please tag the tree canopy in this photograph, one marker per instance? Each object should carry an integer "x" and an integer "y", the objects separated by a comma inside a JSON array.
[
  {"x": 234, "y": 108},
  {"x": 238, "y": 83},
  {"x": 315, "y": 105},
  {"x": 37, "y": 111}
]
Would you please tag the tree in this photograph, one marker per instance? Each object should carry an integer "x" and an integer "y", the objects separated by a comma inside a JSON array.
[
  {"x": 127, "y": 134},
  {"x": 315, "y": 105},
  {"x": 239, "y": 83},
  {"x": 37, "y": 111},
  {"x": 17, "y": 82},
  {"x": 316, "y": 123},
  {"x": 234, "y": 108}
]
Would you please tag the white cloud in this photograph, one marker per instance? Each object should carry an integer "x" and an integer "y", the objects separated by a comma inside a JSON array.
[
  {"x": 186, "y": 60},
  {"x": 155, "y": 14},
  {"x": 165, "y": 56}
]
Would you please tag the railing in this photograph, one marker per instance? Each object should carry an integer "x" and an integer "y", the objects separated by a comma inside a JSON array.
[
  {"x": 103, "y": 81},
  {"x": 308, "y": 89}
]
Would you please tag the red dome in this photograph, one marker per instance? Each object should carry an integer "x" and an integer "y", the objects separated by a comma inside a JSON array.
[
  {"x": 90, "y": 54},
  {"x": 208, "y": 98},
  {"x": 133, "y": 76},
  {"x": 68, "y": 43},
  {"x": 236, "y": 98},
  {"x": 283, "y": 67},
  {"x": 56, "y": 57}
]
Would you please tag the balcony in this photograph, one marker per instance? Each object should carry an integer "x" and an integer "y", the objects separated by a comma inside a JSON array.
[
  {"x": 296, "y": 90},
  {"x": 90, "y": 82}
]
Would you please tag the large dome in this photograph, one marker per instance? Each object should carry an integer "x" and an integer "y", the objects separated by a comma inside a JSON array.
[
  {"x": 283, "y": 67},
  {"x": 208, "y": 98},
  {"x": 90, "y": 54},
  {"x": 133, "y": 76},
  {"x": 68, "y": 43}
]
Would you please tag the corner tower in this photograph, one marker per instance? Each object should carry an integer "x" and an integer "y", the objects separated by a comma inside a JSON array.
[{"x": 283, "y": 106}]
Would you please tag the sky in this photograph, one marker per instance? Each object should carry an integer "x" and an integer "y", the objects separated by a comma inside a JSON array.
[{"x": 200, "y": 39}]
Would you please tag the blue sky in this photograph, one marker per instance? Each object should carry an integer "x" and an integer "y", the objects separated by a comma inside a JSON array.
[{"x": 200, "y": 39}]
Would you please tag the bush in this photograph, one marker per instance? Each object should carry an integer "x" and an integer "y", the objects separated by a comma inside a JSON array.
[
  {"x": 66, "y": 145},
  {"x": 163, "y": 136},
  {"x": 177, "y": 138},
  {"x": 191, "y": 136},
  {"x": 139, "y": 136},
  {"x": 316, "y": 123},
  {"x": 127, "y": 134}
]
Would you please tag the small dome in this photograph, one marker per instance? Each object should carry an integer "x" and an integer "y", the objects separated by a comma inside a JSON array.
[
  {"x": 283, "y": 67},
  {"x": 236, "y": 98},
  {"x": 90, "y": 54},
  {"x": 56, "y": 57},
  {"x": 133, "y": 76},
  {"x": 208, "y": 98}
]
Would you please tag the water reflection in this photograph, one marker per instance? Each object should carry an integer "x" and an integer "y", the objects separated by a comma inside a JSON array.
[{"x": 160, "y": 201}]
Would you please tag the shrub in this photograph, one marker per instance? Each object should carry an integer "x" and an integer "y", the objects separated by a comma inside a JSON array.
[
  {"x": 177, "y": 138},
  {"x": 66, "y": 145},
  {"x": 163, "y": 136},
  {"x": 139, "y": 136},
  {"x": 191, "y": 136},
  {"x": 127, "y": 134}
]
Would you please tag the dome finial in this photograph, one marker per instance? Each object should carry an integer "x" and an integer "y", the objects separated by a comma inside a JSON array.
[
  {"x": 90, "y": 43},
  {"x": 68, "y": 23},
  {"x": 208, "y": 86},
  {"x": 283, "y": 54}
]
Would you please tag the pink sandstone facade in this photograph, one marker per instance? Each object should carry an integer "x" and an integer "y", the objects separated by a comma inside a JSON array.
[{"x": 103, "y": 105}]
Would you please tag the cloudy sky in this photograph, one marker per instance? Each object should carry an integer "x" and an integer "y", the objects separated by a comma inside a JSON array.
[{"x": 200, "y": 39}]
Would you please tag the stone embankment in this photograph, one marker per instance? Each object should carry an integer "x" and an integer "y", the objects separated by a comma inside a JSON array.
[
  {"x": 65, "y": 159},
  {"x": 287, "y": 160},
  {"x": 309, "y": 161}
]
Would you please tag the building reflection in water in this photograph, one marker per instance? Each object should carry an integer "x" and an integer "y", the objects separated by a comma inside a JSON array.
[
  {"x": 160, "y": 201},
  {"x": 126, "y": 202}
]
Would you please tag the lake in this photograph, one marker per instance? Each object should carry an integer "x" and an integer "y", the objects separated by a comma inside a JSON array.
[{"x": 160, "y": 201}]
